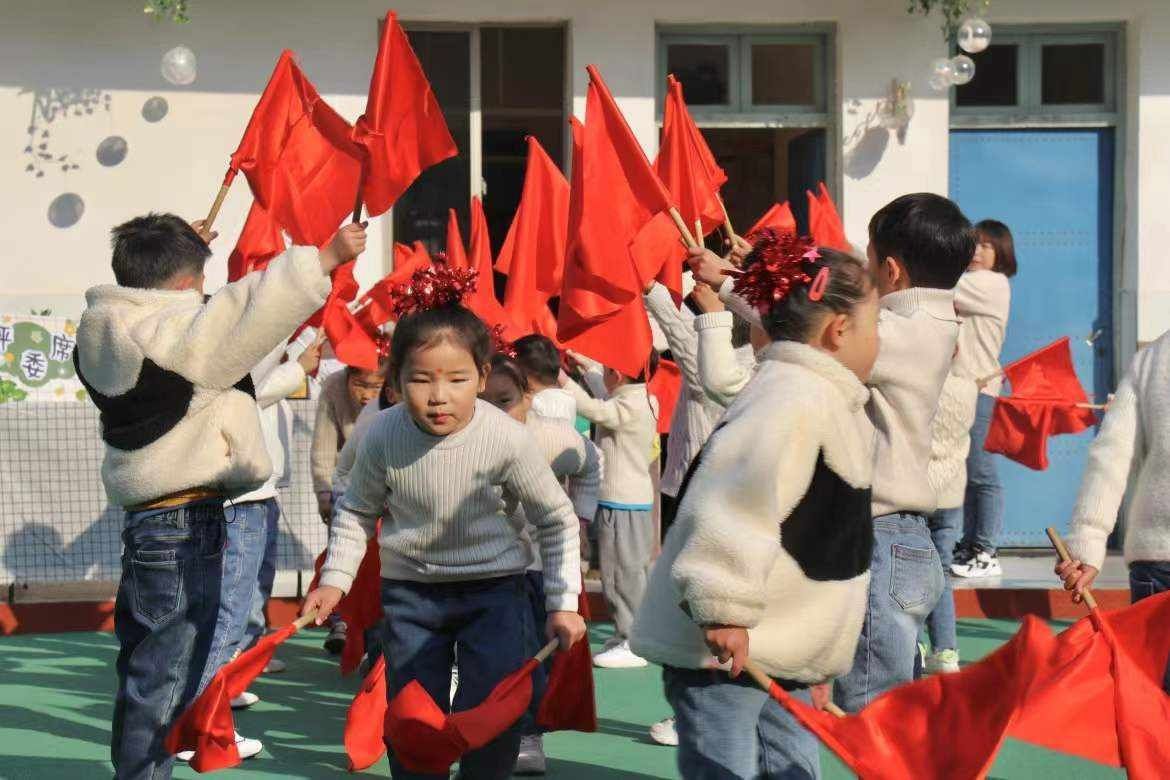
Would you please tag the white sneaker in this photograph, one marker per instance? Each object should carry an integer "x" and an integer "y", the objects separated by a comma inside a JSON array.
[
  {"x": 454, "y": 682},
  {"x": 664, "y": 733},
  {"x": 620, "y": 656},
  {"x": 244, "y": 700},
  {"x": 185, "y": 756},
  {"x": 942, "y": 662},
  {"x": 609, "y": 644},
  {"x": 247, "y": 747},
  {"x": 984, "y": 564},
  {"x": 275, "y": 666}
]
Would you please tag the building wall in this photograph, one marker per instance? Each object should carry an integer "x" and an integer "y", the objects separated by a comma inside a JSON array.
[{"x": 176, "y": 164}]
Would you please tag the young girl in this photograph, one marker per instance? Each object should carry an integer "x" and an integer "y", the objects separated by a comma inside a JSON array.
[
  {"x": 452, "y": 560},
  {"x": 983, "y": 300},
  {"x": 774, "y": 535},
  {"x": 575, "y": 462}
]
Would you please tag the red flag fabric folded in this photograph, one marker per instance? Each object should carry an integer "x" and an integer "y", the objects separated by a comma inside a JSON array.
[
  {"x": 779, "y": 218},
  {"x": 1047, "y": 373},
  {"x": 298, "y": 157},
  {"x": 617, "y": 205},
  {"x": 402, "y": 131},
  {"x": 456, "y": 252},
  {"x": 207, "y": 726},
  {"x": 362, "y": 606},
  {"x": 665, "y": 386},
  {"x": 482, "y": 300},
  {"x": 533, "y": 254},
  {"x": 377, "y": 303},
  {"x": 824, "y": 223},
  {"x": 259, "y": 242},
  {"x": 569, "y": 702},
  {"x": 352, "y": 343},
  {"x": 365, "y": 721}
]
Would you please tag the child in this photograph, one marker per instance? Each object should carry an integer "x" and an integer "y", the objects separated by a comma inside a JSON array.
[
  {"x": 169, "y": 373},
  {"x": 343, "y": 395},
  {"x": 1133, "y": 444},
  {"x": 983, "y": 301},
  {"x": 541, "y": 361},
  {"x": 919, "y": 246},
  {"x": 627, "y": 430},
  {"x": 728, "y": 347},
  {"x": 771, "y": 546},
  {"x": 452, "y": 560},
  {"x": 575, "y": 462}
]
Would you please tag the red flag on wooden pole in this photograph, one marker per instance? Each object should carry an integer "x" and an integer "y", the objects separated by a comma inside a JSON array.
[
  {"x": 686, "y": 165},
  {"x": 365, "y": 721},
  {"x": 824, "y": 223},
  {"x": 259, "y": 242},
  {"x": 402, "y": 130},
  {"x": 482, "y": 300},
  {"x": 779, "y": 218},
  {"x": 569, "y": 702},
  {"x": 377, "y": 303},
  {"x": 456, "y": 252}
]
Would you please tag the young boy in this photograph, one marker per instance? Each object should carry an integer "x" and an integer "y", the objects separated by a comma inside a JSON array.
[
  {"x": 169, "y": 373},
  {"x": 541, "y": 361},
  {"x": 627, "y": 428},
  {"x": 919, "y": 246}
]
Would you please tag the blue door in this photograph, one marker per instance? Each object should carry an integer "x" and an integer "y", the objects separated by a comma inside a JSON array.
[{"x": 1054, "y": 189}]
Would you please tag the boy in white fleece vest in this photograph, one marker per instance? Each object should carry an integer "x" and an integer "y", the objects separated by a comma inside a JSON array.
[
  {"x": 169, "y": 372},
  {"x": 919, "y": 246}
]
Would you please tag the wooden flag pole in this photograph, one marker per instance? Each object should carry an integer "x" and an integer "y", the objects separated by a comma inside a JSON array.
[
  {"x": 1065, "y": 557},
  {"x": 216, "y": 205},
  {"x": 549, "y": 649},
  {"x": 699, "y": 231},
  {"x": 682, "y": 228},
  {"x": 357, "y": 202},
  {"x": 764, "y": 681},
  {"x": 726, "y": 219},
  {"x": 305, "y": 619}
]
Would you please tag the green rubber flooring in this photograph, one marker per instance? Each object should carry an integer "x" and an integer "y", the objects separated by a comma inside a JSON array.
[{"x": 56, "y": 692}]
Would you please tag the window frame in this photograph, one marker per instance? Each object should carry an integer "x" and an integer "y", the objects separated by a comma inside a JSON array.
[{"x": 1029, "y": 111}]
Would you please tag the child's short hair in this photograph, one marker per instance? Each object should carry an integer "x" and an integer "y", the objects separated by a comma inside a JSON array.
[
  {"x": 928, "y": 234},
  {"x": 999, "y": 236},
  {"x": 649, "y": 371},
  {"x": 792, "y": 317},
  {"x": 510, "y": 368},
  {"x": 150, "y": 251},
  {"x": 539, "y": 358},
  {"x": 430, "y": 326}
]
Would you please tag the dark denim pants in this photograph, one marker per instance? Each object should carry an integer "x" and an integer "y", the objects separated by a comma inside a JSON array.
[
  {"x": 731, "y": 729},
  {"x": 535, "y": 583},
  {"x": 487, "y": 625},
  {"x": 1149, "y": 578},
  {"x": 164, "y": 618}
]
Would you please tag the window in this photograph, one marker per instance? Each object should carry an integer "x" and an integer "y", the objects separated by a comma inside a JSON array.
[{"x": 1038, "y": 74}]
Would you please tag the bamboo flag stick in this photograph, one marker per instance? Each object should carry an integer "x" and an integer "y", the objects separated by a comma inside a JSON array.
[
  {"x": 357, "y": 203},
  {"x": 1062, "y": 551},
  {"x": 682, "y": 228},
  {"x": 726, "y": 219},
  {"x": 765, "y": 682},
  {"x": 699, "y": 231},
  {"x": 216, "y": 205},
  {"x": 305, "y": 619},
  {"x": 548, "y": 650}
]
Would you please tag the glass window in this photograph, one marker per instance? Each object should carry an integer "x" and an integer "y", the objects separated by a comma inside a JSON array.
[
  {"x": 1073, "y": 74},
  {"x": 784, "y": 74},
  {"x": 996, "y": 78},
  {"x": 704, "y": 70}
]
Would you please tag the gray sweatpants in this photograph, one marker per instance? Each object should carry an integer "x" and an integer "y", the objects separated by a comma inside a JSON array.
[{"x": 625, "y": 541}]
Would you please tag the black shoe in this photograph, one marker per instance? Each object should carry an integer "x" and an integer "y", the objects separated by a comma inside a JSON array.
[
  {"x": 964, "y": 554},
  {"x": 335, "y": 642}
]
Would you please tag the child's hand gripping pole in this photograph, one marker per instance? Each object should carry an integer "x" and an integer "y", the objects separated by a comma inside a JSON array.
[
  {"x": 1065, "y": 557},
  {"x": 766, "y": 682},
  {"x": 547, "y": 650},
  {"x": 305, "y": 619}
]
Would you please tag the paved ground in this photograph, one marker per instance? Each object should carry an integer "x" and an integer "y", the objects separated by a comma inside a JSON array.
[
  {"x": 56, "y": 689},
  {"x": 1034, "y": 571}
]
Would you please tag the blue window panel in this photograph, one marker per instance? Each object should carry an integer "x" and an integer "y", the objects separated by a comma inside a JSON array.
[{"x": 1054, "y": 189}]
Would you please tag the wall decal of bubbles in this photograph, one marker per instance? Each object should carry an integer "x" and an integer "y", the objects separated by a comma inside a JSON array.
[
  {"x": 179, "y": 66},
  {"x": 112, "y": 150},
  {"x": 66, "y": 209},
  {"x": 155, "y": 108}
]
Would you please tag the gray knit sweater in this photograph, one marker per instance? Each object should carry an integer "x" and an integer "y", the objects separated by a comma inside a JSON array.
[{"x": 447, "y": 519}]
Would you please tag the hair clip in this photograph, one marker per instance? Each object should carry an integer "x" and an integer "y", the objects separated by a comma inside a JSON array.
[
  {"x": 816, "y": 290},
  {"x": 432, "y": 288}
]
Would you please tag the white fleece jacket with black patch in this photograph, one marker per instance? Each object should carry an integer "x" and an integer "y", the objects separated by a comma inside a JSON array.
[
  {"x": 170, "y": 374},
  {"x": 773, "y": 531}
]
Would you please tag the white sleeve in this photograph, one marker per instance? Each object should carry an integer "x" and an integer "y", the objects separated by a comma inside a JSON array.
[
  {"x": 722, "y": 374},
  {"x": 280, "y": 383},
  {"x": 680, "y": 335},
  {"x": 738, "y": 306}
]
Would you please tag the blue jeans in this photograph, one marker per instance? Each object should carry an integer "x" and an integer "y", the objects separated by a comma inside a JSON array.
[
  {"x": 534, "y": 580},
  {"x": 247, "y": 528},
  {"x": 257, "y": 620},
  {"x": 983, "y": 508},
  {"x": 490, "y": 622},
  {"x": 945, "y": 526},
  {"x": 730, "y": 729},
  {"x": 164, "y": 618},
  {"x": 1149, "y": 578},
  {"x": 905, "y": 582}
]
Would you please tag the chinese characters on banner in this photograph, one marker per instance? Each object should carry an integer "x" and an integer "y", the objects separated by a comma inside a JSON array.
[{"x": 36, "y": 359}]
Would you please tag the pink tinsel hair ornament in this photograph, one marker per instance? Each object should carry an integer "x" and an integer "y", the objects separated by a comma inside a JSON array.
[
  {"x": 782, "y": 262},
  {"x": 433, "y": 287},
  {"x": 501, "y": 344}
]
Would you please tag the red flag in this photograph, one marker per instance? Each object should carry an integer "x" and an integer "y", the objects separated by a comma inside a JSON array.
[
  {"x": 583, "y": 607},
  {"x": 482, "y": 300},
  {"x": 365, "y": 721},
  {"x": 779, "y": 218},
  {"x": 298, "y": 157},
  {"x": 402, "y": 131},
  {"x": 665, "y": 386},
  {"x": 377, "y": 304},
  {"x": 569, "y": 702},
  {"x": 456, "y": 253},
  {"x": 207, "y": 726},
  {"x": 617, "y": 209},
  {"x": 686, "y": 165},
  {"x": 1047, "y": 373},
  {"x": 824, "y": 223},
  {"x": 362, "y": 606},
  {"x": 259, "y": 242},
  {"x": 533, "y": 254}
]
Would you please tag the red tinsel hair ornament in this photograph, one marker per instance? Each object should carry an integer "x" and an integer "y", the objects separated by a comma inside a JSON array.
[
  {"x": 501, "y": 344},
  {"x": 782, "y": 262},
  {"x": 434, "y": 287}
]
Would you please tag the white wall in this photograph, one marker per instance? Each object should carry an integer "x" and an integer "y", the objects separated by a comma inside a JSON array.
[{"x": 176, "y": 164}]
